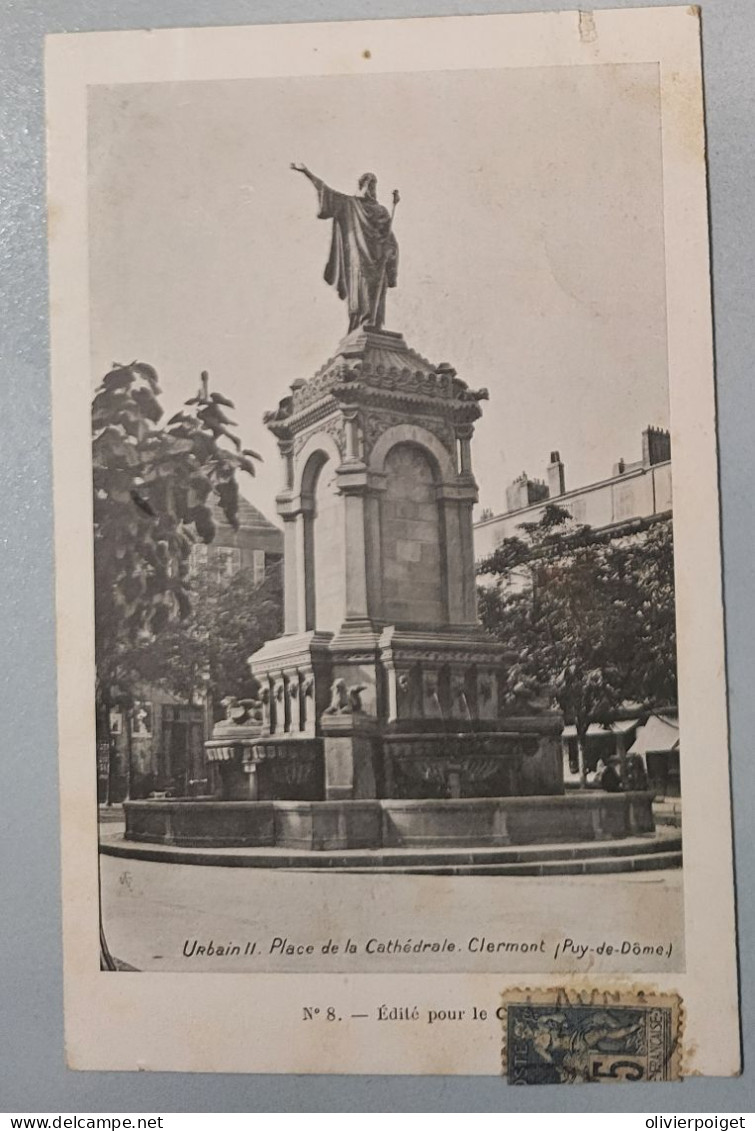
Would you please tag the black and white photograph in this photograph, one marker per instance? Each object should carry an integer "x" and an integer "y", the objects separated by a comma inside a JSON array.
[{"x": 389, "y": 668}]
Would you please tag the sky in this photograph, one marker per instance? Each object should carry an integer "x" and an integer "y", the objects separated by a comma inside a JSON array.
[{"x": 530, "y": 230}]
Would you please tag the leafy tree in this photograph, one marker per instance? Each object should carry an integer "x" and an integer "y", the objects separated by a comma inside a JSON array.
[
  {"x": 152, "y": 484},
  {"x": 587, "y": 614},
  {"x": 204, "y": 655}
]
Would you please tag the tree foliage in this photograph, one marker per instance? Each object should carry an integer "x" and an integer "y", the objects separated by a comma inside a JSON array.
[
  {"x": 205, "y": 654},
  {"x": 152, "y": 486},
  {"x": 588, "y": 615}
]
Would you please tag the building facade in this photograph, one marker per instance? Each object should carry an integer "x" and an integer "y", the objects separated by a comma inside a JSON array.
[
  {"x": 638, "y": 490},
  {"x": 158, "y": 746},
  {"x": 633, "y": 495},
  {"x": 257, "y": 544}
]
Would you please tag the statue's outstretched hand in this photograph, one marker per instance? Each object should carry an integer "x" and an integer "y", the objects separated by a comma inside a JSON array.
[{"x": 299, "y": 168}]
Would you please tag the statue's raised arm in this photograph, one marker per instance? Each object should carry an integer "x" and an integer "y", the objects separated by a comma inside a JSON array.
[
  {"x": 363, "y": 259},
  {"x": 299, "y": 168}
]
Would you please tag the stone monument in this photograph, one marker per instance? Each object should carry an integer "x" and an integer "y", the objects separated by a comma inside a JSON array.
[
  {"x": 383, "y": 683},
  {"x": 379, "y": 719}
]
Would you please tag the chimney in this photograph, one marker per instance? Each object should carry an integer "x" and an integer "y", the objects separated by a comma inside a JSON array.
[
  {"x": 656, "y": 446},
  {"x": 556, "y": 476},
  {"x": 516, "y": 493},
  {"x": 524, "y": 492}
]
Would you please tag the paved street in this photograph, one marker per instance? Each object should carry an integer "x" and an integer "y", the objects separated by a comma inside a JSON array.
[{"x": 175, "y": 917}]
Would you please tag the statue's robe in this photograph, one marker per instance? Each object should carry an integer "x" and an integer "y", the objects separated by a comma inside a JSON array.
[{"x": 363, "y": 258}]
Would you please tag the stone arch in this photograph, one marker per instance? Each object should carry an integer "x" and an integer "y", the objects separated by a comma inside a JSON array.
[
  {"x": 420, "y": 437},
  {"x": 318, "y": 448},
  {"x": 324, "y": 545}
]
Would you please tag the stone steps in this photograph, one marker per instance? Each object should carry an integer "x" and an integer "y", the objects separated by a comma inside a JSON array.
[
  {"x": 634, "y": 854},
  {"x": 585, "y": 867}
]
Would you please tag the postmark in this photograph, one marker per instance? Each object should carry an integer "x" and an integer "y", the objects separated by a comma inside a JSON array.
[{"x": 559, "y": 1036}]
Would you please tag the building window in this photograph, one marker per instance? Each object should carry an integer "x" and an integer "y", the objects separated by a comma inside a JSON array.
[
  {"x": 258, "y": 566},
  {"x": 226, "y": 560},
  {"x": 142, "y": 720},
  {"x": 198, "y": 557}
]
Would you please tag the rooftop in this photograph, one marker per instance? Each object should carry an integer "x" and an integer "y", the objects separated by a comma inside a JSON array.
[{"x": 250, "y": 517}]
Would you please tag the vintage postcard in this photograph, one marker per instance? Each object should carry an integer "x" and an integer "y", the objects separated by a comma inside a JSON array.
[{"x": 393, "y": 730}]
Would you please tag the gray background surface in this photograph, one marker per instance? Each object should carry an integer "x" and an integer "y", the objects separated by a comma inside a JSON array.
[{"x": 33, "y": 1076}]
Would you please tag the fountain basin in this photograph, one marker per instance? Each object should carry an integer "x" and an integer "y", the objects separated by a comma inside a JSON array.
[{"x": 391, "y": 823}]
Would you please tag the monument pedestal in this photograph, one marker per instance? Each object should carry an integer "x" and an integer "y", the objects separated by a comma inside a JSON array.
[
  {"x": 349, "y": 753},
  {"x": 383, "y": 682}
]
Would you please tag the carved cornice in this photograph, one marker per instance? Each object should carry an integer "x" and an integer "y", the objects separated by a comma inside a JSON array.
[
  {"x": 301, "y": 749},
  {"x": 462, "y": 412},
  {"x": 429, "y": 383},
  {"x": 458, "y": 414},
  {"x": 370, "y": 366},
  {"x": 401, "y": 398},
  {"x": 403, "y": 654},
  {"x": 295, "y": 651},
  {"x": 399, "y": 647},
  {"x": 317, "y": 412}
]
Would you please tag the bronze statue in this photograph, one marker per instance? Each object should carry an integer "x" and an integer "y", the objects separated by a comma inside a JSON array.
[{"x": 363, "y": 259}]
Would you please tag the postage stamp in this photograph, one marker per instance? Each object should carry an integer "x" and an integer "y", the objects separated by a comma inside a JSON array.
[{"x": 552, "y": 1036}]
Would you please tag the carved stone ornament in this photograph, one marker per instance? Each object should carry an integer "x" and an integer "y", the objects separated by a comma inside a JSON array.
[
  {"x": 378, "y": 423},
  {"x": 485, "y": 690},
  {"x": 339, "y": 699},
  {"x": 333, "y": 427},
  {"x": 241, "y": 711},
  {"x": 345, "y": 700},
  {"x": 282, "y": 412}
]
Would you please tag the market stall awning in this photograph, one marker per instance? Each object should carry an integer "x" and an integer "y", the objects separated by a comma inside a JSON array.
[
  {"x": 598, "y": 730},
  {"x": 659, "y": 735}
]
